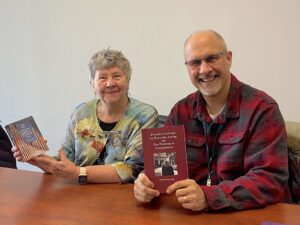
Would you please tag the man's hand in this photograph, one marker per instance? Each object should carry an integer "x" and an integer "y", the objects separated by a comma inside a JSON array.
[
  {"x": 143, "y": 189},
  {"x": 189, "y": 194}
]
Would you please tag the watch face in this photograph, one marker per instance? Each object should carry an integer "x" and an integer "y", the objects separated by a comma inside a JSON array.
[{"x": 82, "y": 179}]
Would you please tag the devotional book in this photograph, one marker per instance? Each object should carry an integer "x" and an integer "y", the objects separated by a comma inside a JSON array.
[
  {"x": 27, "y": 136},
  {"x": 165, "y": 155}
]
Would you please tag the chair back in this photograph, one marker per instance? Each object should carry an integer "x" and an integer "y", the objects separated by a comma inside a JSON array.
[
  {"x": 161, "y": 120},
  {"x": 293, "y": 141}
]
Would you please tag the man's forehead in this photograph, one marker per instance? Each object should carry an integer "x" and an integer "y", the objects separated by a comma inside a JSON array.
[
  {"x": 204, "y": 39},
  {"x": 203, "y": 43}
]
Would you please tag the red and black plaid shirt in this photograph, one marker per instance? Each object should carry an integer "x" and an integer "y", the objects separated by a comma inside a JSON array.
[{"x": 250, "y": 169}]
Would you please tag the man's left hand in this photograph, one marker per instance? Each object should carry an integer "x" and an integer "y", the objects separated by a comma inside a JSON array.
[{"x": 189, "y": 194}]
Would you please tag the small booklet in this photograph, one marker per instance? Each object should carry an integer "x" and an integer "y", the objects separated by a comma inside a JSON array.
[
  {"x": 27, "y": 136},
  {"x": 165, "y": 155}
]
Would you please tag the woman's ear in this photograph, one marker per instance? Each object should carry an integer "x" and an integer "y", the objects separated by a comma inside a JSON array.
[{"x": 93, "y": 86}]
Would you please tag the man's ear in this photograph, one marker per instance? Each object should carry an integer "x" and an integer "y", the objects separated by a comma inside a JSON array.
[{"x": 229, "y": 58}]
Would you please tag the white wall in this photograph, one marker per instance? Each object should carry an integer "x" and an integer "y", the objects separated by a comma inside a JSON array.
[{"x": 45, "y": 47}]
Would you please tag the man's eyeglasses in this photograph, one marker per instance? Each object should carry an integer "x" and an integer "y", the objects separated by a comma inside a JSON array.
[{"x": 210, "y": 60}]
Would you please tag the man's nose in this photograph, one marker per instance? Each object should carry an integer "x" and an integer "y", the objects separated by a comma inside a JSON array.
[{"x": 204, "y": 67}]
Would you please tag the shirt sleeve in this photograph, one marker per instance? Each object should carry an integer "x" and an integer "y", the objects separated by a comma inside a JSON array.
[{"x": 69, "y": 140}]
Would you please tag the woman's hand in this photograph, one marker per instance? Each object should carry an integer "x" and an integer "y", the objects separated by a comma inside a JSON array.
[{"x": 62, "y": 167}]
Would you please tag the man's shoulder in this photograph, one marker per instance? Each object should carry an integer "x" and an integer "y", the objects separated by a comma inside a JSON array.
[
  {"x": 253, "y": 94},
  {"x": 190, "y": 99}
]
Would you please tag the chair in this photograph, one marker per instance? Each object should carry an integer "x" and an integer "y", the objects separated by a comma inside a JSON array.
[
  {"x": 293, "y": 141},
  {"x": 161, "y": 120}
]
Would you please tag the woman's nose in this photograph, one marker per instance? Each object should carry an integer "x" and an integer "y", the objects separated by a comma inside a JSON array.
[{"x": 110, "y": 82}]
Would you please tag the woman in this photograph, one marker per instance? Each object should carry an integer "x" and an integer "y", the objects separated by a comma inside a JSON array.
[{"x": 103, "y": 142}]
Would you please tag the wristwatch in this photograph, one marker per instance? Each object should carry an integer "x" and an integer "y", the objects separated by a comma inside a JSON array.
[{"x": 82, "y": 178}]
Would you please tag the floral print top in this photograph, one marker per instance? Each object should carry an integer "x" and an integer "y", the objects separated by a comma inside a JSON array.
[{"x": 85, "y": 139}]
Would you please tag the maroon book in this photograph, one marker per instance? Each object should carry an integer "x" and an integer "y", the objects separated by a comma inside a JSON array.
[{"x": 165, "y": 155}]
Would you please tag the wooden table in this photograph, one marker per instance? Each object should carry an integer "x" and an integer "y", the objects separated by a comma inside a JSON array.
[{"x": 35, "y": 198}]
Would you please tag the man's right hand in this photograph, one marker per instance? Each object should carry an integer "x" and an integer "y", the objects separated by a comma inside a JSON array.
[{"x": 144, "y": 189}]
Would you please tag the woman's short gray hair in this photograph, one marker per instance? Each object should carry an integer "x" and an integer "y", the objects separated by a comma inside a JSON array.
[{"x": 109, "y": 58}]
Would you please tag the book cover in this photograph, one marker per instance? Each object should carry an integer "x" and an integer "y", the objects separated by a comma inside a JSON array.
[
  {"x": 165, "y": 155},
  {"x": 27, "y": 136}
]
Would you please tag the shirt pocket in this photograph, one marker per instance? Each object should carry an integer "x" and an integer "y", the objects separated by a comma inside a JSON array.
[
  {"x": 231, "y": 138},
  {"x": 231, "y": 150},
  {"x": 195, "y": 147}
]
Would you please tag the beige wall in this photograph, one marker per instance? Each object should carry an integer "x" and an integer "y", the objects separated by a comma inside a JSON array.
[{"x": 45, "y": 47}]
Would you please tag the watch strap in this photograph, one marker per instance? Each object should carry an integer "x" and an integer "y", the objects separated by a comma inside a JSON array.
[{"x": 82, "y": 178}]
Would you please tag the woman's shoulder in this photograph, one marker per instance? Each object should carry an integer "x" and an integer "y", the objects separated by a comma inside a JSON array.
[
  {"x": 139, "y": 107},
  {"x": 85, "y": 109},
  {"x": 89, "y": 105},
  {"x": 139, "y": 104}
]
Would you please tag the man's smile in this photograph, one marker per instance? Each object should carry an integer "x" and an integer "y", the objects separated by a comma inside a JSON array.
[{"x": 208, "y": 79}]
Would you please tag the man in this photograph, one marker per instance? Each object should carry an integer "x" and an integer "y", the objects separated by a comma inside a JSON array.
[
  {"x": 6, "y": 156},
  {"x": 235, "y": 137},
  {"x": 167, "y": 169}
]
